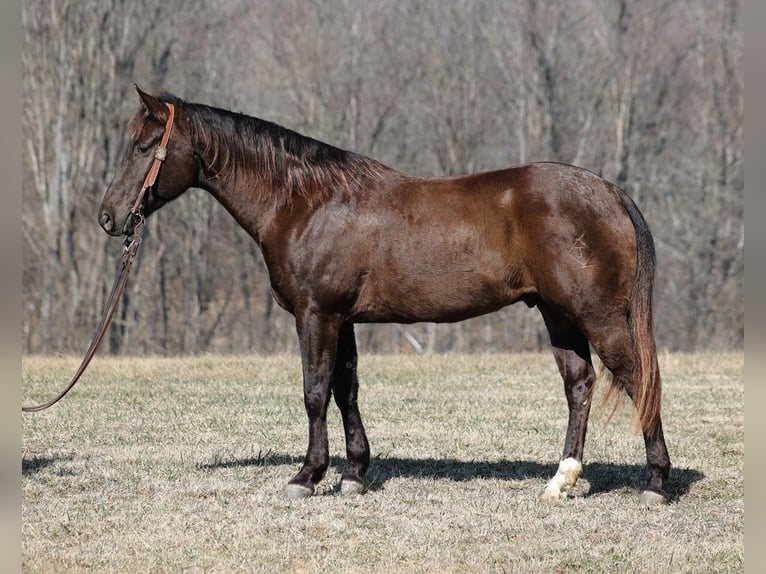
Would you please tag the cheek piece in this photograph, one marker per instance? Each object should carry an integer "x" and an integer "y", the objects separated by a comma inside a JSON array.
[{"x": 159, "y": 156}]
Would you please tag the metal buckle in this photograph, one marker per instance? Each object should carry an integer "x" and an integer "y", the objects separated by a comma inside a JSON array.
[{"x": 133, "y": 240}]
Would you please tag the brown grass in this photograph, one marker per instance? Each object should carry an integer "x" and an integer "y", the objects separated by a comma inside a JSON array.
[{"x": 168, "y": 465}]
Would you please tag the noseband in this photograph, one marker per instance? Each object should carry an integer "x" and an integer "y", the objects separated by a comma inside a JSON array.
[{"x": 129, "y": 253}]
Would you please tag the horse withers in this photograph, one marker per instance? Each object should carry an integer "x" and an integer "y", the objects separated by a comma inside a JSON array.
[{"x": 349, "y": 240}]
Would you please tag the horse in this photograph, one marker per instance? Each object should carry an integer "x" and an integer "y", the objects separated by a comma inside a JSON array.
[{"x": 347, "y": 239}]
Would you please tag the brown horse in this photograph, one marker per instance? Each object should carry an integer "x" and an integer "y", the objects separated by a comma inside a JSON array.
[{"x": 349, "y": 240}]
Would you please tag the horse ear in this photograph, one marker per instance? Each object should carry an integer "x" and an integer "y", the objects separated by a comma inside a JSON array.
[{"x": 152, "y": 104}]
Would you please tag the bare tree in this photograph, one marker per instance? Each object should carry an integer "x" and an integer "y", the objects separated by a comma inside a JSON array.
[
  {"x": 647, "y": 93},
  {"x": 71, "y": 59}
]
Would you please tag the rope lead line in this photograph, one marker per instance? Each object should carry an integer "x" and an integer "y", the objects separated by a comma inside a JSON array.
[{"x": 128, "y": 258}]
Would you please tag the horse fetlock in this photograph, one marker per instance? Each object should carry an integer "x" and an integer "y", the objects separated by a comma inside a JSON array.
[{"x": 569, "y": 471}]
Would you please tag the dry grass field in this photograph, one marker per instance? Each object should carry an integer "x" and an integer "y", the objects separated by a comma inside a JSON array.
[{"x": 178, "y": 465}]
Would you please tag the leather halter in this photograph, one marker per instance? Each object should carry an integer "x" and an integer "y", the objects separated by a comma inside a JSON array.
[
  {"x": 159, "y": 156},
  {"x": 128, "y": 258}
]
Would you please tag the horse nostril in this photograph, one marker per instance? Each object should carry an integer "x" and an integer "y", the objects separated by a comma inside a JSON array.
[{"x": 106, "y": 221}]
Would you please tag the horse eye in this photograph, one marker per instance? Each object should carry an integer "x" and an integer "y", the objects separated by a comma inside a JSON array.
[{"x": 141, "y": 149}]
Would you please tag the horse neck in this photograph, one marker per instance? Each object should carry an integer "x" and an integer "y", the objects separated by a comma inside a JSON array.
[
  {"x": 229, "y": 171},
  {"x": 248, "y": 204},
  {"x": 247, "y": 168}
]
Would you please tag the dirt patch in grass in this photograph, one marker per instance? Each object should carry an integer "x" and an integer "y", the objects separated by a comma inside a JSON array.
[{"x": 170, "y": 465}]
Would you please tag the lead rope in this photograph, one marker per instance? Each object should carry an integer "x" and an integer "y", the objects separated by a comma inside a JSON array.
[{"x": 127, "y": 260}]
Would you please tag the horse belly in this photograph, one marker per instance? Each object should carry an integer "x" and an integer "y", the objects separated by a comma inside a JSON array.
[
  {"x": 442, "y": 257},
  {"x": 433, "y": 293}
]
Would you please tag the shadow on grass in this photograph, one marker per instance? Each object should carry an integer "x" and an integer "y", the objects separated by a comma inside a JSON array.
[
  {"x": 261, "y": 459},
  {"x": 33, "y": 464},
  {"x": 603, "y": 477}
]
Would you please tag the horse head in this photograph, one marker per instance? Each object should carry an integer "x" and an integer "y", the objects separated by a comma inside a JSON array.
[{"x": 158, "y": 136}]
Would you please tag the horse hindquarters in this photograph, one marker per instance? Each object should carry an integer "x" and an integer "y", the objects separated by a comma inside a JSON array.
[{"x": 594, "y": 269}]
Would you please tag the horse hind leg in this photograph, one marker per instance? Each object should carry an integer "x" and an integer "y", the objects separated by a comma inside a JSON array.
[
  {"x": 345, "y": 385},
  {"x": 614, "y": 344},
  {"x": 572, "y": 354}
]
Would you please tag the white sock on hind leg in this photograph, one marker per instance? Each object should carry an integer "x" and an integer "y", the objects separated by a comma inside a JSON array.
[{"x": 569, "y": 471}]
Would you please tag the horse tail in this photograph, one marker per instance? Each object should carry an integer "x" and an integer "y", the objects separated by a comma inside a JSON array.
[{"x": 647, "y": 385}]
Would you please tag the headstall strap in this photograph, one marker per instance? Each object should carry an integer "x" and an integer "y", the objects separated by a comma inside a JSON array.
[{"x": 160, "y": 154}]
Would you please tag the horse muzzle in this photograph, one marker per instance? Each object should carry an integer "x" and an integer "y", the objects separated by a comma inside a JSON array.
[{"x": 108, "y": 223}]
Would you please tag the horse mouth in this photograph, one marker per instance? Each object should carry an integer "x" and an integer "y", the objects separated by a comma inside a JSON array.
[{"x": 130, "y": 224}]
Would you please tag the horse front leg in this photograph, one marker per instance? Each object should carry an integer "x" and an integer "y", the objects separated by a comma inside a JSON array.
[
  {"x": 318, "y": 339},
  {"x": 345, "y": 386}
]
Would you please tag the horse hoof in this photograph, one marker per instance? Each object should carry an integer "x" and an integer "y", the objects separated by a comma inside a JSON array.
[
  {"x": 348, "y": 487},
  {"x": 298, "y": 491},
  {"x": 552, "y": 494},
  {"x": 651, "y": 498}
]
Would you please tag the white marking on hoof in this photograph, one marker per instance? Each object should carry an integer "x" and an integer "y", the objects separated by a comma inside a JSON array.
[
  {"x": 352, "y": 487},
  {"x": 566, "y": 477},
  {"x": 298, "y": 491},
  {"x": 552, "y": 494},
  {"x": 651, "y": 498}
]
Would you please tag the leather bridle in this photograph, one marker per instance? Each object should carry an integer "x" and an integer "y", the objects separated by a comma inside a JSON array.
[
  {"x": 128, "y": 258},
  {"x": 159, "y": 156}
]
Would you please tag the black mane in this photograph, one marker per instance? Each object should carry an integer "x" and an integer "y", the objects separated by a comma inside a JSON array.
[{"x": 241, "y": 148}]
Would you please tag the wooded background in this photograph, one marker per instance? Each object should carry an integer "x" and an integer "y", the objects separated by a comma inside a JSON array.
[{"x": 648, "y": 93}]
